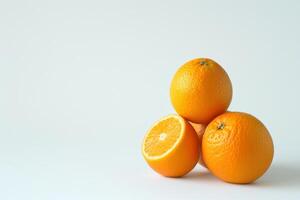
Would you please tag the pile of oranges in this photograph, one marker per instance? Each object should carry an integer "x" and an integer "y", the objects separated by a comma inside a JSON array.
[{"x": 234, "y": 146}]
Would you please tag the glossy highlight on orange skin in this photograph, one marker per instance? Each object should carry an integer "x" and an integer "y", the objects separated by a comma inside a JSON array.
[
  {"x": 237, "y": 147},
  {"x": 171, "y": 146}
]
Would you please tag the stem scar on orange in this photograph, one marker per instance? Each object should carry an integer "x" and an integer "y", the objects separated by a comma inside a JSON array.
[
  {"x": 171, "y": 146},
  {"x": 200, "y": 90}
]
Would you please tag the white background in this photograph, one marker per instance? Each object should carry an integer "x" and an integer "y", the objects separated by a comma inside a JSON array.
[{"x": 82, "y": 81}]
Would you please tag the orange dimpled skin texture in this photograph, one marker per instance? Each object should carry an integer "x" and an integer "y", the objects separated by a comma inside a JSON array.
[
  {"x": 237, "y": 147},
  {"x": 200, "y": 90},
  {"x": 171, "y": 146}
]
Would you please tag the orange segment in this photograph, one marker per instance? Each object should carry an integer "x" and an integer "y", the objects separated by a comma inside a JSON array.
[{"x": 171, "y": 146}]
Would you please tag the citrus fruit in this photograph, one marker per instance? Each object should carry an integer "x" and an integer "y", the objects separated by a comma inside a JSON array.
[
  {"x": 237, "y": 147},
  {"x": 199, "y": 128},
  {"x": 171, "y": 146},
  {"x": 200, "y": 90}
]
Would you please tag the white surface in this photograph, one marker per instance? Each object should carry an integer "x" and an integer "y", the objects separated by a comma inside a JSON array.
[{"x": 82, "y": 81}]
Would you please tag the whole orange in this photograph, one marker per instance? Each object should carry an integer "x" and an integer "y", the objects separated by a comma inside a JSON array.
[
  {"x": 200, "y": 90},
  {"x": 237, "y": 147}
]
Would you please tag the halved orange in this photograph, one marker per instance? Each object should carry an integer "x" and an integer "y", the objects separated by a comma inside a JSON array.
[{"x": 171, "y": 146}]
